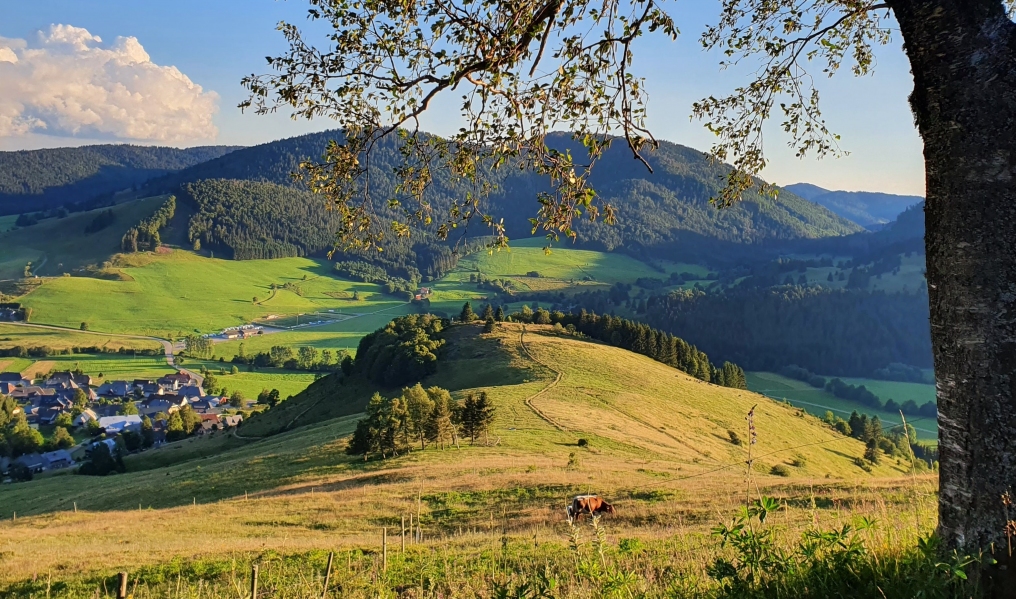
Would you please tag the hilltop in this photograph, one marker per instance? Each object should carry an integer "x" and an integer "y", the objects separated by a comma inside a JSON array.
[{"x": 657, "y": 444}]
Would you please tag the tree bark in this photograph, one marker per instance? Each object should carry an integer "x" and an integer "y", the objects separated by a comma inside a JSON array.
[{"x": 963, "y": 58}]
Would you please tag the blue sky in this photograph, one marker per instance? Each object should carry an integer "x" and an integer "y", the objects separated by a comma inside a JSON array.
[{"x": 215, "y": 43}]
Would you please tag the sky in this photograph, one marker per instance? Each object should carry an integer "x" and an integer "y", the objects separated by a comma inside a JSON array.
[{"x": 77, "y": 72}]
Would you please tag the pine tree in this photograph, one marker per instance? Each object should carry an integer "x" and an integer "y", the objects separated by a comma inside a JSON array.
[
  {"x": 499, "y": 315},
  {"x": 419, "y": 406},
  {"x": 488, "y": 313},
  {"x": 439, "y": 426},
  {"x": 467, "y": 314}
]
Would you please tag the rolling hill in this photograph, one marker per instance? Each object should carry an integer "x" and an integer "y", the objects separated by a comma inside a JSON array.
[
  {"x": 659, "y": 212},
  {"x": 866, "y": 208},
  {"x": 40, "y": 179},
  {"x": 657, "y": 443}
]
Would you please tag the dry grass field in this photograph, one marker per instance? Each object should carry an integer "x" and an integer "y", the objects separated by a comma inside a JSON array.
[{"x": 187, "y": 520}]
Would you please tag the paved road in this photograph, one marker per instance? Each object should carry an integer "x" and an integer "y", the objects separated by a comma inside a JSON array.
[{"x": 168, "y": 348}]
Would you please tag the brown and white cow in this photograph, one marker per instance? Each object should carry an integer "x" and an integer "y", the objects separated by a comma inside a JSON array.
[{"x": 588, "y": 504}]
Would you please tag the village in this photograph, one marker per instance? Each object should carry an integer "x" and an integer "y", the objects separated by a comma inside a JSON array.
[{"x": 124, "y": 416}]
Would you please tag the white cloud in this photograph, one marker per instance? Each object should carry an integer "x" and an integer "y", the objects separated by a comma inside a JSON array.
[{"x": 65, "y": 82}]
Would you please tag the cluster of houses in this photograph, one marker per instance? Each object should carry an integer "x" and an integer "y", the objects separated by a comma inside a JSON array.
[
  {"x": 422, "y": 293},
  {"x": 44, "y": 401}
]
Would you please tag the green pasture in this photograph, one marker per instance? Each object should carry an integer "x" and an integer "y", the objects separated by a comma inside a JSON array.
[
  {"x": 179, "y": 293},
  {"x": 561, "y": 263},
  {"x": 901, "y": 392},
  {"x": 818, "y": 401},
  {"x": 13, "y": 335},
  {"x": 343, "y": 334},
  {"x": 60, "y": 245},
  {"x": 288, "y": 382},
  {"x": 110, "y": 366}
]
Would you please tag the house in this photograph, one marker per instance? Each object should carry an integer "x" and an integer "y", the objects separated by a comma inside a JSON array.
[
  {"x": 33, "y": 461},
  {"x": 191, "y": 391},
  {"x": 179, "y": 378},
  {"x": 230, "y": 420},
  {"x": 160, "y": 403},
  {"x": 115, "y": 389},
  {"x": 110, "y": 443},
  {"x": 60, "y": 458},
  {"x": 66, "y": 377},
  {"x": 231, "y": 335},
  {"x": 209, "y": 423},
  {"x": 119, "y": 424},
  {"x": 85, "y": 416},
  {"x": 31, "y": 393},
  {"x": 205, "y": 406},
  {"x": 14, "y": 378},
  {"x": 150, "y": 389}
]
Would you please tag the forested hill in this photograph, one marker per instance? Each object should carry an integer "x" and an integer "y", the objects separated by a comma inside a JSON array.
[
  {"x": 33, "y": 180},
  {"x": 660, "y": 212},
  {"x": 669, "y": 211}
]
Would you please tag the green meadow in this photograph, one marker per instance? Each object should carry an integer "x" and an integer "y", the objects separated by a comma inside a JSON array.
[
  {"x": 175, "y": 294},
  {"x": 818, "y": 401},
  {"x": 59, "y": 245}
]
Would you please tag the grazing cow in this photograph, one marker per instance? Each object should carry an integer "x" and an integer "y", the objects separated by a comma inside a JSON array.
[{"x": 588, "y": 504}]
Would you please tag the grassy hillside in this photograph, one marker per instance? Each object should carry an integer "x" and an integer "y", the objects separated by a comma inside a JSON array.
[
  {"x": 58, "y": 245},
  {"x": 12, "y": 335},
  {"x": 178, "y": 293},
  {"x": 658, "y": 447}
]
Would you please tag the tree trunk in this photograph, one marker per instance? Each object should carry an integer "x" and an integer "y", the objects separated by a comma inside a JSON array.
[{"x": 963, "y": 58}]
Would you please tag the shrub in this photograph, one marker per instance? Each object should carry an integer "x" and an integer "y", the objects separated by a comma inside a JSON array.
[
  {"x": 779, "y": 470},
  {"x": 583, "y": 443},
  {"x": 798, "y": 462}
]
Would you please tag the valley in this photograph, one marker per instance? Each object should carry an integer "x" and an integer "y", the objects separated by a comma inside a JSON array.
[{"x": 762, "y": 286}]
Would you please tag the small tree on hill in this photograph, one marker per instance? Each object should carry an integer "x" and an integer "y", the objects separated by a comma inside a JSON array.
[
  {"x": 128, "y": 409},
  {"x": 61, "y": 439},
  {"x": 488, "y": 312},
  {"x": 477, "y": 416},
  {"x": 488, "y": 326},
  {"x": 439, "y": 427},
  {"x": 236, "y": 399},
  {"x": 419, "y": 406},
  {"x": 147, "y": 432},
  {"x": 467, "y": 314},
  {"x": 499, "y": 314}
]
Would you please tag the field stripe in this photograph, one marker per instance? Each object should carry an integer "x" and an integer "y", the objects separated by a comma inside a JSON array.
[{"x": 40, "y": 367}]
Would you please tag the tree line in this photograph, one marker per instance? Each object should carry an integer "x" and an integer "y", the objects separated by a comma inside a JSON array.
[
  {"x": 859, "y": 393},
  {"x": 418, "y": 416},
  {"x": 42, "y": 351},
  {"x": 145, "y": 235}
]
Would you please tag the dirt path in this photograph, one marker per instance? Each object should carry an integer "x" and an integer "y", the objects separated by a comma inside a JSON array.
[
  {"x": 167, "y": 347},
  {"x": 557, "y": 379}
]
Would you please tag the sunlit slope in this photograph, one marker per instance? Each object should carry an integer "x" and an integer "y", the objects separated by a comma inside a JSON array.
[
  {"x": 58, "y": 245},
  {"x": 180, "y": 293},
  {"x": 657, "y": 446},
  {"x": 553, "y": 389}
]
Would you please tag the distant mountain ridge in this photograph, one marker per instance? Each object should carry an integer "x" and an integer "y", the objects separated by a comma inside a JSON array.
[
  {"x": 867, "y": 208},
  {"x": 657, "y": 212},
  {"x": 32, "y": 180}
]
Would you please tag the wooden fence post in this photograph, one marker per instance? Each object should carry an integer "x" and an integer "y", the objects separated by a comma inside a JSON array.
[
  {"x": 411, "y": 529},
  {"x": 121, "y": 588},
  {"x": 328, "y": 575},
  {"x": 403, "y": 533},
  {"x": 254, "y": 582},
  {"x": 384, "y": 549}
]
